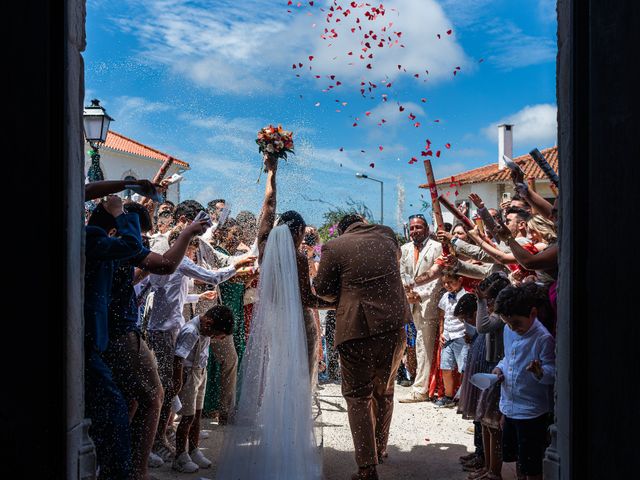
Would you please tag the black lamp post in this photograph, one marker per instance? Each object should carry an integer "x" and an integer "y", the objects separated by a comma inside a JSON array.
[
  {"x": 364, "y": 175},
  {"x": 96, "y": 125}
]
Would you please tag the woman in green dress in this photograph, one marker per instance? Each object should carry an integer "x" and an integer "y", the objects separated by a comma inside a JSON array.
[{"x": 232, "y": 291}]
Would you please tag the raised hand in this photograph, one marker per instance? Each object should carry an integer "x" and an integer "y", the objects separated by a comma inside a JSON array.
[
  {"x": 522, "y": 189},
  {"x": 148, "y": 188},
  {"x": 477, "y": 201},
  {"x": 444, "y": 236},
  {"x": 113, "y": 205},
  {"x": 197, "y": 228},
  {"x": 517, "y": 176},
  {"x": 463, "y": 208},
  {"x": 502, "y": 232},
  {"x": 480, "y": 293}
]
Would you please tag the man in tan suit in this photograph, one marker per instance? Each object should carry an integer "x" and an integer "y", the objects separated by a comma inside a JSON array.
[
  {"x": 360, "y": 271},
  {"x": 418, "y": 257}
]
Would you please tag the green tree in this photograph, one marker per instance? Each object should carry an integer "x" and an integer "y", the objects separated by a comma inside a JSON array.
[{"x": 334, "y": 214}]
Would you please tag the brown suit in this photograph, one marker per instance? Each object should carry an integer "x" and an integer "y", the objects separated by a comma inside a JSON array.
[{"x": 360, "y": 270}]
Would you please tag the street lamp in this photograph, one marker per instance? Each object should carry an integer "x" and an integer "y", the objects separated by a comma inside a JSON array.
[
  {"x": 96, "y": 125},
  {"x": 364, "y": 175}
]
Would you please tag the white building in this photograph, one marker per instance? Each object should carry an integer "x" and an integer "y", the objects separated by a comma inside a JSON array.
[
  {"x": 122, "y": 158},
  {"x": 491, "y": 181}
]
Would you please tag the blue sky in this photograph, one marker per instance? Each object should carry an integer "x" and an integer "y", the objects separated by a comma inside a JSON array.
[{"x": 198, "y": 79}]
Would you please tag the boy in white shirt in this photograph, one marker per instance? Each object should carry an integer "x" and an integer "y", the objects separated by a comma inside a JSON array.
[
  {"x": 190, "y": 379},
  {"x": 527, "y": 372},
  {"x": 453, "y": 347}
]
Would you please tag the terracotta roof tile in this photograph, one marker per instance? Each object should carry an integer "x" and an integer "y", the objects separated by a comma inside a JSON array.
[
  {"x": 116, "y": 141},
  {"x": 491, "y": 173}
]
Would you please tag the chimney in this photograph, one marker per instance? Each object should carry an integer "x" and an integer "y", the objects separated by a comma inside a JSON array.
[{"x": 505, "y": 143}]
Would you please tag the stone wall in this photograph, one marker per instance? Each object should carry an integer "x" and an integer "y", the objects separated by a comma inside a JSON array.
[{"x": 80, "y": 454}]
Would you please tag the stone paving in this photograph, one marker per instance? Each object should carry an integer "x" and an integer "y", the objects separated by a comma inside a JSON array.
[{"x": 425, "y": 443}]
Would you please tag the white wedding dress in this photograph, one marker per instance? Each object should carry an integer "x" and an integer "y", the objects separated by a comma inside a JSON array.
[{"x": 272, "y": 434}]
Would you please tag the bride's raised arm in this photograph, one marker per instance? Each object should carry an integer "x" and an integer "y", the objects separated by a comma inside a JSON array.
[{"x": 268, "y": 212}]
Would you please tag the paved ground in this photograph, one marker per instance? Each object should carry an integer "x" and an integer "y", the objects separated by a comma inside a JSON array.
[{"x": 425, "y": 443}]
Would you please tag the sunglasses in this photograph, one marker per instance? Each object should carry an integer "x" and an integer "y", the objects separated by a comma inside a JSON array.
[{"x": 417, "y": 215}]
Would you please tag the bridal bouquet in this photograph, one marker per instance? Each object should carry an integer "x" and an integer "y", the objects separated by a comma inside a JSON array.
[{"x": 275, "y": 142}]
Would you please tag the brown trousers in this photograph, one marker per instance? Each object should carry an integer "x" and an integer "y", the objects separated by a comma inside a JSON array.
[{"x": 369, "y": 367}]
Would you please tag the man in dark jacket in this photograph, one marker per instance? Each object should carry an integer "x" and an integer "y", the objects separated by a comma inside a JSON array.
[{"x": 105, "y": 403}]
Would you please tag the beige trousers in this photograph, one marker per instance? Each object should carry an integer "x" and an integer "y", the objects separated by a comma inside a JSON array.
[{"x": 426, "y": 338}]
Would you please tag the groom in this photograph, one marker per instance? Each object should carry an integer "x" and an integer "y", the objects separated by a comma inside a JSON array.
[{"x": 360, "y": 270}]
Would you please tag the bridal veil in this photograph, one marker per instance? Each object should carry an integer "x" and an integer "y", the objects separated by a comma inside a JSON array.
[{"x": 272, "y": 433}]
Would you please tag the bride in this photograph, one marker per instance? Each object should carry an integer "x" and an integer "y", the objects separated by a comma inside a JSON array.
[{"x": 272, "y": 432}]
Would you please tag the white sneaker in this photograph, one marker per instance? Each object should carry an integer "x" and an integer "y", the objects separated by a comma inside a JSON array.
[
  {"x": 184, "y": 464},
  {"x": 155, "y": 461},
  {"x": 204, "y": 434},
  {"x": 198, "y": 457}
]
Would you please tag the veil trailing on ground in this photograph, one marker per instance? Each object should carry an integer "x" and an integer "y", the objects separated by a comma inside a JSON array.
[{"x": 272, "y": 433}]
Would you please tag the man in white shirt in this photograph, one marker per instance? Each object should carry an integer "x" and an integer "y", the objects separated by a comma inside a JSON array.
[
  {"x": 418, "y": 257},
  {"x": 159, "y": 241}
]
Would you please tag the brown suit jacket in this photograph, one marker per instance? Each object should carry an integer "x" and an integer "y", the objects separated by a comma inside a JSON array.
[{"x": 360, "y": 270}]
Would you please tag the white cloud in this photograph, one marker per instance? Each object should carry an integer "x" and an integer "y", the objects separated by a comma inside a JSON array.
[
  {"x": 467, "y": 12},
  {"x": 419, "y": 21},
  {"x": 535, "y": 124},
  {"x": 390, "y": 112},
  {"x": 243, "y": 47},
  {"x": 126, "y": 105},
  {"x": 513, "y": 48}
]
